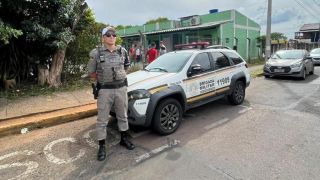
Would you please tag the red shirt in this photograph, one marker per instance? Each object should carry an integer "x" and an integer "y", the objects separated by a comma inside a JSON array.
[{"x": 152, "y": 54}]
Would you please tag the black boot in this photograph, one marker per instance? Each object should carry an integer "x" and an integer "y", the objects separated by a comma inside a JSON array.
[
  {"x": 102, "y": 150},
  {"x": 125, "y": 141}
]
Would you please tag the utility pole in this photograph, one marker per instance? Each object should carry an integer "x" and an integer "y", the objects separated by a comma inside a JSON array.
[{"x": 268, "y": 36}]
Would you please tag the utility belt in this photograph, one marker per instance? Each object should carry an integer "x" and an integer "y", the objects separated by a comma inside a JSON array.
[{"x": 113, "y": 85}]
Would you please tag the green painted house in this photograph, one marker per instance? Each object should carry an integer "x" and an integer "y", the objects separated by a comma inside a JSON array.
[{"x": 229, "y": 28}]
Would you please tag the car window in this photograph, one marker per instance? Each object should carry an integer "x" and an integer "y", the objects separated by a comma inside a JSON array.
[
  {"x": 220, "y": 60},
  {"x": 236, "y": 59},
  {"x": 169, "y": 62},
  {"x": 315, "y": 51},
  {"x": 289, "y": 54},
  {"x": 203, "y": 60}
]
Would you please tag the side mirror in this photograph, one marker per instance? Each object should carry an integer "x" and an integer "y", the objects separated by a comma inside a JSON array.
[{"x": 195, "y": 69}]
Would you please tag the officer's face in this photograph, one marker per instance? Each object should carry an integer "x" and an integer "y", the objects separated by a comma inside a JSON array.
[{"x": 109, "y": 38}]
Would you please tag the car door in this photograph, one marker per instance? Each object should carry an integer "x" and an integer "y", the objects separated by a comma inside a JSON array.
[
  {"x": 200, "y": 84},
  {"x": 223, "y": 71}
]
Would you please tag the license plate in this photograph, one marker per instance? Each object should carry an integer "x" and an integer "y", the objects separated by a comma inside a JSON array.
[{"x": 278, "y": 70}]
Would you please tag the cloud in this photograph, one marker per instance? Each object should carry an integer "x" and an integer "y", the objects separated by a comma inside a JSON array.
[{"x": 287, "y": 16}]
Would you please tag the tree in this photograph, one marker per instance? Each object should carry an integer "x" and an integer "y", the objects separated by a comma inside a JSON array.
[
  {"x": 48, "y": 28},
  {"x": 159, "y": 19},
  {"x": 274, "y": 36}
]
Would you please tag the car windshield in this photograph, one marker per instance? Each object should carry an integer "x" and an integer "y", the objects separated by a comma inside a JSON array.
[
  {"x": 170, "y": 62},
  {"x": 295, "y": 54},
  {"x": 315, "y": 51}
]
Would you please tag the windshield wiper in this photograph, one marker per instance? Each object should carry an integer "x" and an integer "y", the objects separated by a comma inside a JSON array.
[{"x": 160, "y": 68}]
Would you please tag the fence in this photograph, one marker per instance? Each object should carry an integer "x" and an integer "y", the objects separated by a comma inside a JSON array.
[{"x": 294, "y": 45}]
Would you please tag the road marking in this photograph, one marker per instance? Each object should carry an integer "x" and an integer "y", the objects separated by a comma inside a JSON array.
[
  {"x": 31, "y": 165},
  {"x": 156, "y": 151},
  {"x": 51, "y": 158},
  {"x": 89, "y": 140},
  {"x": 216, "y": 123},
  {"x": 92, "y": 143},
  {"x": 244, "y": 110}
]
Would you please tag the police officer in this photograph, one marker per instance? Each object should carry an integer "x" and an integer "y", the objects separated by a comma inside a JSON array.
[{"x": 108, "y": 64}]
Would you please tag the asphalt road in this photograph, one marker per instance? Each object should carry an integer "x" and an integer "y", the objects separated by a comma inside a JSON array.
[{"x": 273, "y": 135}]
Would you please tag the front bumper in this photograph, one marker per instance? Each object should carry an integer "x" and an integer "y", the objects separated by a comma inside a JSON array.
[
  {"x": 137, "y": 110},
  {"x": 316, "y": 60},
  {"x": 136, "y": 116},
  {"x": 283, "y": 71}
]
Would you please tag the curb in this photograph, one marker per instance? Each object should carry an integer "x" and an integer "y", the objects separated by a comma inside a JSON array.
[{"x": 40, "y": 120}]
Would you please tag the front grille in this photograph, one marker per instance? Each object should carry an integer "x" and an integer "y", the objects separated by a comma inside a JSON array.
[{"x": 286, "y": 68}]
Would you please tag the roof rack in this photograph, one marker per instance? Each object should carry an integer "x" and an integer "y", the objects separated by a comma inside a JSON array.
[{"x": 194, "y": 45}]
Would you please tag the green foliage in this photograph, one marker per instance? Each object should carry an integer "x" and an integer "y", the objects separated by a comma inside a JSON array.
[
  {"x": 159, "y": 19},
  {"x": 122, "y": 27},
  {"x": 7, "y": 32},
  {"x": 40, "y": 28},
  {"x": 274, "y": 36}
]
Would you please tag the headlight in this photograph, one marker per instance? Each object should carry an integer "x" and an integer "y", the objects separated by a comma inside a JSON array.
[
  {"x": 138, "y": 94},
  {"x": 295, "y": 65},
  {"x": 268, "y": 65}
]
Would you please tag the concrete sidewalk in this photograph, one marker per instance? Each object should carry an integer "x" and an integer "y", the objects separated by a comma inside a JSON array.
[{"x": 19, "y": 116}]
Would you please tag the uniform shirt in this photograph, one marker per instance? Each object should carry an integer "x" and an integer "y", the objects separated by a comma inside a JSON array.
[{"x": 112, "y": 56}]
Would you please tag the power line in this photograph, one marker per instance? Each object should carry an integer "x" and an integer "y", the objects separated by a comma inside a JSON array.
[
  {"x": 317, "y": 3},
  {"x": 307, "y": 10},
  {"x": 312, "y": 6}
]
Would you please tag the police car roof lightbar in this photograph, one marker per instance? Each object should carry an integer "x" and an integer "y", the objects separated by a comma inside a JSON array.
[{"x": 193, "y": 45}]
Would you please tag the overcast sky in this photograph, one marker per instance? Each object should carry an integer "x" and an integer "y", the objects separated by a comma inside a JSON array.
[{"x": 288, "y": 15}]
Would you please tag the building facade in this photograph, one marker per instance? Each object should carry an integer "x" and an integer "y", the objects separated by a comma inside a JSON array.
[
  {"x": 309, "y": 33},
  {"x": 229, "y": 28}
]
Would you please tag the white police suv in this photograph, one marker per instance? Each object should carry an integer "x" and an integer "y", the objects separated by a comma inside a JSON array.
[{"x": 177, "y": 81}]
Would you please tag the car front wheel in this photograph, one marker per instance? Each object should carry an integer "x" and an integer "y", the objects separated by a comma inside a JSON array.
[
  {"x": 303, "y": 74},
  {"x": 167, "y": 117},
  {"x": 238, "y": 93}
]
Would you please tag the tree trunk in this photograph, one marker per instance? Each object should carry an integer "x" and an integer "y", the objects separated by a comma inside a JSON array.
[
  {"x": 56, "y": 68},
  {"x": 43, "y": 75}
]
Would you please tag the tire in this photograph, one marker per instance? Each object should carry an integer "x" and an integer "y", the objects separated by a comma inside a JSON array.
[
  {"x": 167, "y": 117},
  {"x": 267, "y": 76},
  {"x": 238, "y": 93},
  {"x": 303, "y": 77},
  {"x": 312, "y": 71}
]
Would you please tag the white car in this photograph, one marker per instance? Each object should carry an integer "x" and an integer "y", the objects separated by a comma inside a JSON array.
[
  {"x": 315, "y": 55},
  {"x": 180, "y": 80}
]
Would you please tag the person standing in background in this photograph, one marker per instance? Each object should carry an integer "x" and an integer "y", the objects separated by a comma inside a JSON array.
[
  {"x": 152, "y": 53},
  {"x": 163, "y": 49}
]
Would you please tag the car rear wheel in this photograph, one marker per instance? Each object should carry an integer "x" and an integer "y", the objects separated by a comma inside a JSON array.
[
  {"x": 266, "y": 76},
  {"x": 238, "y": 93},
  {"x": 167, "y": 117},
  {"x": 312, "y": 70}
]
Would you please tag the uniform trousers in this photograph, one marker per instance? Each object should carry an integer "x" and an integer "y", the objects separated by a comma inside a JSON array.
[{"x": 107, "y": 99}]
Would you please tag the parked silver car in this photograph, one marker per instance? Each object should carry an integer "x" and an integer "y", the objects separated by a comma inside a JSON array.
[
  {"x": 315, "y": 55},
  {"x": 296, "y": 63}
]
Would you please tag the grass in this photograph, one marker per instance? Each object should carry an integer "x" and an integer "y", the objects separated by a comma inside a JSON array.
[
  {"x": 256, "y": 73},
  {"x": 255, "y": 62},
  {"x": 30, "y": 90}
]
